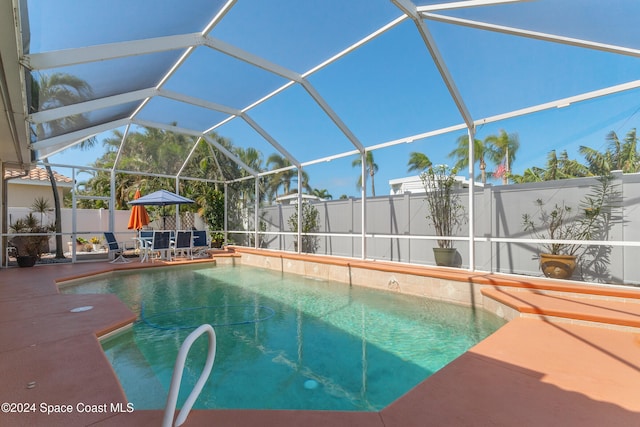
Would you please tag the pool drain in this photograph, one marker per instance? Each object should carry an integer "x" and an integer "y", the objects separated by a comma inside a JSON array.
[{"x": 311, "y": 384}]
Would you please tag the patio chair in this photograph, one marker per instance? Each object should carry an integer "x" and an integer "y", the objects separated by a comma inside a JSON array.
[
  {"x": 115, "y": 248},
  {"x": 161, "y": 245},
  {"x": 200, "y": 244},
  {"x": 183, "y": 243},
  {"x": 146, "y": 235},
  {"x": 145, "y": 239}
]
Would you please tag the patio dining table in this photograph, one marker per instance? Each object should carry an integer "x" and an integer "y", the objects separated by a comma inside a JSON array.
[{"x": 145, "y": 242}]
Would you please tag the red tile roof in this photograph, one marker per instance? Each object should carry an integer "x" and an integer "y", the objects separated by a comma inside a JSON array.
[{"x": 36, "y": 174}]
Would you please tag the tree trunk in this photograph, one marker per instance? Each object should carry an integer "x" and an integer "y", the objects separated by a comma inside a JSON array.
[
  {"x": 56, "y": 204},
  {"x": 373, "y": 187}
]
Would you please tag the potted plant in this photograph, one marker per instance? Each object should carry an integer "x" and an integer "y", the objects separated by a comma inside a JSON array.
[
  {"x": 82, "y": 244},
  {"x": 217, "y": 239},
  {"x": 446, "y": 212},
  {"x": 30, "y": 247},
  {"x": 95, "y": 243},
  {"x": 559, "y": 259}
]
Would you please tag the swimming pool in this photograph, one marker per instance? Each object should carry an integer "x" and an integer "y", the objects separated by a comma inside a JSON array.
[{"x": 284, "y": 341}]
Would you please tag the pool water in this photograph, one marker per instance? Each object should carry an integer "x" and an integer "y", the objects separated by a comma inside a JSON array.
[{"x": 283, "y": 341}]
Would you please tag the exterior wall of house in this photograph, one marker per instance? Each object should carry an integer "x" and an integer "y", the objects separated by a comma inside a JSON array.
[
  {"x": 414, "y": 184},
  {"x": 22, "y": 193}
]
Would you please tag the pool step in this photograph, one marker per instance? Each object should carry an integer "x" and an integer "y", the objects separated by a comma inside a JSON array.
[{"x": 620, "y": 308}]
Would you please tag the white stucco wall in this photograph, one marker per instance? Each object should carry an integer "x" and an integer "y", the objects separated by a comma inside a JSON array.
[{"x": 22, "y": 193}]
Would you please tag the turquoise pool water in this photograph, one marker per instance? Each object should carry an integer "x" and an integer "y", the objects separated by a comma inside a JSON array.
[{"x": 284, "y": 341}]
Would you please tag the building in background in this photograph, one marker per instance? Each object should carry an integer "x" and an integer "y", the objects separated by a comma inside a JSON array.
[
  {"x": 413, "y": 184},
  {"x": 23, "y": 190}
]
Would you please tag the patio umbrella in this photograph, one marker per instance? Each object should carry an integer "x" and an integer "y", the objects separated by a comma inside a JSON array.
[
  {"x": 161, "y": 198},
  {"x": 139, "y": 216}
]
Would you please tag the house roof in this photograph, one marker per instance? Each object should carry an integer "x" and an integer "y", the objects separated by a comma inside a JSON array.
[{"x": 37, "y": 174}]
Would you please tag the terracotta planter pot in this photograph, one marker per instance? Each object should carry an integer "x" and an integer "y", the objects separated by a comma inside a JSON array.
[
  {"x": 557, "y": 266},
  {"x": 445, "y": 257}
]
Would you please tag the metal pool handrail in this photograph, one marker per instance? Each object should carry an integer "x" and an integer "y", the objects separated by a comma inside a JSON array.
[{"x": 174, "y": 389}]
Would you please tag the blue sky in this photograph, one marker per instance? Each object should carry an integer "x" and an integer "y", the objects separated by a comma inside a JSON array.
[{"x": 389, "y": 88}]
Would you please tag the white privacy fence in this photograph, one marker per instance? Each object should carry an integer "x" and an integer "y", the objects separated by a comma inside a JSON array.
[{"x": 397, "y": 229}]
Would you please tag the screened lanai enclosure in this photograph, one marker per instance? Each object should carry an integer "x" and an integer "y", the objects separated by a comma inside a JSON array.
[{"x": 307, "y": 122}]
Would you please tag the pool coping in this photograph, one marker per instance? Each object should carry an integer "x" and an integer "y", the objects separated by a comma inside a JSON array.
[{"x": 493, "y": 383}]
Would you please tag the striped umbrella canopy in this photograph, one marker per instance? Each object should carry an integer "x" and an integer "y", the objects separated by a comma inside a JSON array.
[{"x": 139, "y": 216}]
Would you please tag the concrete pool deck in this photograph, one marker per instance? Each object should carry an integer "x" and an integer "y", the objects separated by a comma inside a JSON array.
[{"x": 570, "y": 357}]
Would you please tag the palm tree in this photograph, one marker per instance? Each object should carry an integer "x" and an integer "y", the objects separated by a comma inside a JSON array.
[
  {"x": 322, "y": 194},
  {"x": 279, "y": 179},
  {"x": 557, "y": 167},
  {"x": 618, "y": 156},
  {"x": 371, "y": 170},
  {"x": 552, "y": 166},
  {"x": 418, "y": 162},
  {"x": 40, "y": 205},
  {"x": 502, "y": 148},
  {"x": 58, "y": 90},
  {"x": 305, "y": 182},
  {"x": 532, "y": 174},
  {"x": 629, "y": 158},
  {"x": 252, "y": 158},
  {"x": 461, "y": 154},
  {"x": 284, "y": 178},
  {"x": 144, "y": 151},
  {"x": 562, "y": 167},
  {"x": 150, "y": 149},
  {"x": 228, "y": 168},
  {"x": 51, "y": 91}
]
